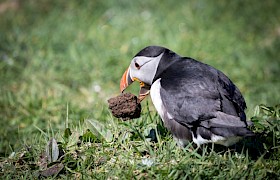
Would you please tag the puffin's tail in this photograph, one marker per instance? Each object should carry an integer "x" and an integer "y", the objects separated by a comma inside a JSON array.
[{"x": 228, "y": 125}]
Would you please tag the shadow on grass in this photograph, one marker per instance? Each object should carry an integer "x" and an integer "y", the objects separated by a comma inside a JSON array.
[{"x": 256, "y": 147}]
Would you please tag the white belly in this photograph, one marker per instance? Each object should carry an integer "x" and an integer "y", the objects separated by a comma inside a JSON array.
[{"x": 156, "y": 98}]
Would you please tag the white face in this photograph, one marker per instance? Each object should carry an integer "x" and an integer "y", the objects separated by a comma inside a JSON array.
[{"x": 144, "y": 68}]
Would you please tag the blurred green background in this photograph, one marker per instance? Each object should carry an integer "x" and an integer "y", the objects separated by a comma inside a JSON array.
[{"x": 55, "y": 54}]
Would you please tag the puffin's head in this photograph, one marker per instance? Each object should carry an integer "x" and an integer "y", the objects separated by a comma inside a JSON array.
[{"x": 143, "y": 68}]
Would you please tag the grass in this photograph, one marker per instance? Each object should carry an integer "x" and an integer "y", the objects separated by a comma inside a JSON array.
[{"x": 61, "y": 61}]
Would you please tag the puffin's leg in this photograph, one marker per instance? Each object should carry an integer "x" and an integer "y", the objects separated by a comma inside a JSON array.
[{"x": 182, "y": 143}]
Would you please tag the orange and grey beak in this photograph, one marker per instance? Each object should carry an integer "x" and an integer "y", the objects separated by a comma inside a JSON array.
[{"x": 127, "y": 80}]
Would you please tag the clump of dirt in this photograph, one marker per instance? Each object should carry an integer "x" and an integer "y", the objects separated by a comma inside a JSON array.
[{"x": 125, "y": 106}]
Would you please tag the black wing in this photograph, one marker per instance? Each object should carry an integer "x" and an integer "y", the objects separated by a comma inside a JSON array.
[{"x": 203, "y": 99}]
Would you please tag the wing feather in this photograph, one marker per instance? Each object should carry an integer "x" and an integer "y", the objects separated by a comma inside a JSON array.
[{"x": 198, "y": 95}]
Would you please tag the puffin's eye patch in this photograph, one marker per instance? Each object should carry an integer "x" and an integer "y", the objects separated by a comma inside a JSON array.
[{"x": 137, "y": 65}]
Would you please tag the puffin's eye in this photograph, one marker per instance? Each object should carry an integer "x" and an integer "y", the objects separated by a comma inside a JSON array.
[{"x": 137, "y": 65}]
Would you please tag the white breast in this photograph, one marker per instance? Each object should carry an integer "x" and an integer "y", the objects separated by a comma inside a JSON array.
[
  {"x": 156, "y": 98},
  {"x": 157, "y": 101}
]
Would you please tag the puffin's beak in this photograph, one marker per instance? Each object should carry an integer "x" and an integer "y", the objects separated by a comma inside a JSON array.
[{"x": 126, "y": 81}]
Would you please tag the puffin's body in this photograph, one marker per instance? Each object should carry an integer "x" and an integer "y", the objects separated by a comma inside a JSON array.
[{"x": 195, "y": 101}]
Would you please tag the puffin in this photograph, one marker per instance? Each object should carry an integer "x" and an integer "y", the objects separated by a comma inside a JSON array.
[{"x": 196, "y": 102}]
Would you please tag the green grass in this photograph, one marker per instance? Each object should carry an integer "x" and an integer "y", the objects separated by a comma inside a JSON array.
[{"x": 61, "y": 61}]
